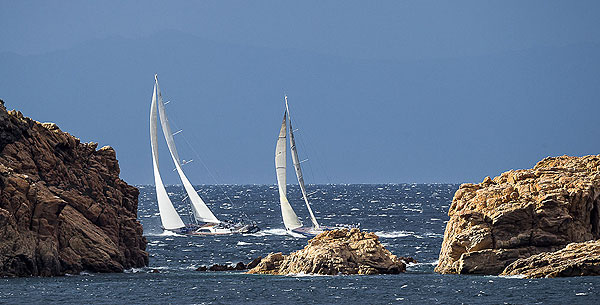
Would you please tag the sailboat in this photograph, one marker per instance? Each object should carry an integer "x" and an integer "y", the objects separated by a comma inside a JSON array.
[
  {"x": 290, "y": 219},
  {"x": 204, "y": 221}
]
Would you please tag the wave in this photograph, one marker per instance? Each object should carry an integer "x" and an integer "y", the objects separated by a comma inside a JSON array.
[
  {"x": 399, "y": 234},
  {"x": 294, "y": 234},
  {"x": 270, "y": 232},
  {"x": 434, "y": 263},
  {"x": 135, "y": 270},
  {"x": 161, "y": 269},
  {"x": 165, "y": 233},
  {"x": 394, "y": 234},
  {"x": 305, "y": 275},
  {"x": 517, "y": 276},
  {"x": 280, "y": 232},
  {"x": 242, "y": 243}
]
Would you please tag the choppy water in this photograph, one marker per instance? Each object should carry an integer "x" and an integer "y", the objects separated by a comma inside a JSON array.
[{"x": 409, "y": 218}]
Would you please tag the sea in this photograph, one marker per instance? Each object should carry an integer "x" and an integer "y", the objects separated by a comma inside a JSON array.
[{"x": 409, "y": 219}]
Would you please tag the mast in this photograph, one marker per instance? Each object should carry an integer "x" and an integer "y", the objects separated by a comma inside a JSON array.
[
  {"x": 290, "y": 219},
  {"x": 168, "y": 215},
  {"x": 201, "y": 212},
  {"x": 298, "y": 169}
]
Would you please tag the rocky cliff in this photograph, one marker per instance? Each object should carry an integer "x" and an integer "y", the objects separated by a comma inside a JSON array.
[
  {"x": 575, "y": 259},
  {"x": 63, "y": 208},
  {"x": 335, "y": 252},
  {"x": 522, "y": 213}
]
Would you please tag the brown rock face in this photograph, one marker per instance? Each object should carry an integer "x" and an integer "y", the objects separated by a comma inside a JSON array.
[
  {"x": 575, "y": 259},
  {"x": 63, "y": 208},
  {"x": 335, "y": 252},
  {"x": 522, "y": 213}
]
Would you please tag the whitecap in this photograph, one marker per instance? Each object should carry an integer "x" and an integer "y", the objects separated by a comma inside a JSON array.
[
  {"x": 302, "y": 274},
  {"x": 165, "y": 233},
  {"x": 516, "y": 276},
  {"x": 394, "y": 234},
  {"x": 277, "y": 232},
  {"x": 294, "y": 234},
  {"x": 134, "y": 270},
  {"x": 270, "y": 232}
]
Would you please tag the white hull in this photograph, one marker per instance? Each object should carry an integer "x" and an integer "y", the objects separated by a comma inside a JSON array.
[
  {"x": 217, "y": 229},
  {"x": 169, "y": 217},
  {"x": 290, "y": 219}
]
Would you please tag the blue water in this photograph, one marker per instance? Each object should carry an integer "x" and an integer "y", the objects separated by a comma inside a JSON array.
[{"x": 409, "y": 218}]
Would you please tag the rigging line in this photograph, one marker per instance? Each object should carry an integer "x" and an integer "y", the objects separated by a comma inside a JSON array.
[
  {"x": 173, "y": 122},
  {"x": 305, "y": 143},
  {"x": 207, "y": 169},
  {"x": 190, "y": 211},
  {"x": 219, "y": 186},
  {"x": 306, "y": 154},
  {"x": 300, "y": 139},
  {"x": 309, "y": 165},
  {"x": 294, "y": 130},
  {"x": 203, "y": 164}
]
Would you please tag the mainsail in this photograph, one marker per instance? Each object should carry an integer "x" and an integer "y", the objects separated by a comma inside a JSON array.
[
  {"x": 201, "y": 212},
  {"x": 168, "y": 215},
  {"x": 290, "y": 219},
  {"x": 298, "y": 169}
]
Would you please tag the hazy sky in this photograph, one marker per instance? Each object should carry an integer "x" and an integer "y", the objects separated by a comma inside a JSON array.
[
  {"x": 364, "y": 29},
  {"x": 385, "y": 91}
]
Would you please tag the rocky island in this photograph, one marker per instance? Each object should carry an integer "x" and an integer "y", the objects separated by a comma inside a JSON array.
[
  {"x": 576, "y": 259},
  {"x": 540, "y": 222},
  {"x": 63, "y": 207},
  {"x": 342, "y": 251}
]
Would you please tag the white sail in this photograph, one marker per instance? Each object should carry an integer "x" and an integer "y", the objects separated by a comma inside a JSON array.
[
  {"x": 298, "y": 169},
  {"x": 290, "y": 219},
  {"x": 168, "y": 215},
  {"x": 201, "y": 212}
]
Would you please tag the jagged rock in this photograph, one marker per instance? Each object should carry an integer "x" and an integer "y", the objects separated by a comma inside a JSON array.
[
  {"x": 522, "y": 213},
  {"x": 254, "y": 262},
  {"x": 217, "y": 267},
  {"x": 407, "y": 259},
  {"x": 576, "y": 259},
  {"x": 63, "y": 208},
  {"x": 237, "y": 267},
  {"x": 333, "y": 252}
]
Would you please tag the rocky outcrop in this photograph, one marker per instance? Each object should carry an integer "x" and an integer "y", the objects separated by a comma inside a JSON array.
[
  {"x": 334, "y": 252},
  {"x": 237, "y": 267},
  {"x": 576, "y": 259},
  {"x": 217, "y": 267},
  {"x": 522, "y": 213},
  {"x": 63, "y": 208}
]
